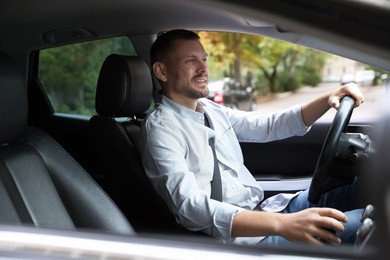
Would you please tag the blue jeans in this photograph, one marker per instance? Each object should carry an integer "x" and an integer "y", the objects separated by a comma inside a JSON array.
[{"x": 344, "y": 199}]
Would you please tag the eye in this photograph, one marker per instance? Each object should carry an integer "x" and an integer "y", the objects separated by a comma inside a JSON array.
[{"x": 190, "y": 60}]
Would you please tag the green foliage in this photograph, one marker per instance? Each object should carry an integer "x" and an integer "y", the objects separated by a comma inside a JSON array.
[
  {"x": 69, "y": 73},
  {"x": 275, "y": 66},
  {"x": 286, "y": 81},
  {"x": 312, "y": 64}
]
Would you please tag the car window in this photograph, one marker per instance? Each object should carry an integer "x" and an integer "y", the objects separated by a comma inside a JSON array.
[
  {"x": 282, "y": 74},
  {"x": 69, "y": 73}
]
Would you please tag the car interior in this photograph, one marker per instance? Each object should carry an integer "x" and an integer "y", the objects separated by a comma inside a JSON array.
[
  {"x": 41, "y": 184},
  {"x": 76, "y": 172}
]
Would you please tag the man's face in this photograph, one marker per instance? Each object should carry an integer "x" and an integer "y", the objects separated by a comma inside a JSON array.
[{"x": 186, "y": 71}]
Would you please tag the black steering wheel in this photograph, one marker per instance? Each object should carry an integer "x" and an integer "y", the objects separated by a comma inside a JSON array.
[{"x": 322, "y": 180}]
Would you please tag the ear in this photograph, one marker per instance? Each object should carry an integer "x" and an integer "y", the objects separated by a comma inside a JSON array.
[{"x": 159, "y": 71}]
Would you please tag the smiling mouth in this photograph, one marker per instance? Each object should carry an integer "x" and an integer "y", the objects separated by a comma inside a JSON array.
[
  {"x": 200, "y": 80},
  {"x": 203, "y": 82}
]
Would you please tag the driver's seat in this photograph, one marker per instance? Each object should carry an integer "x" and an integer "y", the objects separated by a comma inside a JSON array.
[
  {"x": 123, "y": 98},
  {"x": 41, "y": 185}
]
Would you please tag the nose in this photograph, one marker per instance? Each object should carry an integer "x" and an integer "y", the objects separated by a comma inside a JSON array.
[{"x": 203, "y": 68}]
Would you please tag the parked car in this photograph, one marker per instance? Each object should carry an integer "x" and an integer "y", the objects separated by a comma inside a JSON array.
[
  {"x": 347, "y": 78},
  {"x": 71, "y": 182},
  {"x": 365, "y": 77},
  {"x": 362, "y": 77},
  {"x": 231, "y": 93}
]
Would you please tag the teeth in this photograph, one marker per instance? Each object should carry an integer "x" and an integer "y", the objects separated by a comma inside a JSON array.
[{"x": 200, "y": 81}]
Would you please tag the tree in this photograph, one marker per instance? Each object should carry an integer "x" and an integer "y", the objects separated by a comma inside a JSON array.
[
  {"x": 71, "y": 83},
  {"x": 230, "y": 53},
  {"x": 283, "y": 66}
]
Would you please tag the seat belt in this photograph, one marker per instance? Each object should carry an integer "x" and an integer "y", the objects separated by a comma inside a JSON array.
[{"x": 216, "y": 184}]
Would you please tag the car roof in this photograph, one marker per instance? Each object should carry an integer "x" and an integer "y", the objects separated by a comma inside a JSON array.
[{"x": 335, "y": 26}]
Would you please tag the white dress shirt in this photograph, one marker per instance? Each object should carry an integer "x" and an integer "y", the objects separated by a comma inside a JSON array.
[{"x": 174, "y": 146}]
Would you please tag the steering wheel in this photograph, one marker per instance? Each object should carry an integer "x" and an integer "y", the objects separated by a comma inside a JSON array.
[{"x": 322, "y": 180}]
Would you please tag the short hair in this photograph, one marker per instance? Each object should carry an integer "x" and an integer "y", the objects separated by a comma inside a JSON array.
[{"x": 164, "y": 43}]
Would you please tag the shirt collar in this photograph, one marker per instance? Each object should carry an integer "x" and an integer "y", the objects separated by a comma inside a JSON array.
[{"x": 184, "y": 111}]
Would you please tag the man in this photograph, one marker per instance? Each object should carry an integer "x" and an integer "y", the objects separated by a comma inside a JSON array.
[{"x": 179, "y": 161}]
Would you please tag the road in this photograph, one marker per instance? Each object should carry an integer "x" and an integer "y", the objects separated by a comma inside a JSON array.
[{"x": 375, "y": 98}]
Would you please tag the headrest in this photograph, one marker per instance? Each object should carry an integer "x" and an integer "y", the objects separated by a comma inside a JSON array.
[
  {"x": 13, "y": 100},
  {"x": 124, "y": 87}
]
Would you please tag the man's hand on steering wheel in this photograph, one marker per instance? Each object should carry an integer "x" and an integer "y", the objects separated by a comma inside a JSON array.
[{"x": 350, "y": 89}]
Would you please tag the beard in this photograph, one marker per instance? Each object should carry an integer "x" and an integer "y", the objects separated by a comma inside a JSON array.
[
  {"x": 196, "y": 93},
  {"x": 190, "y": 90}
]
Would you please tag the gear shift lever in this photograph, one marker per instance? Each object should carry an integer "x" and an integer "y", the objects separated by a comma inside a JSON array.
[
  {"x": 367, "y": 228},
  {"x": 367, "y": 213}
]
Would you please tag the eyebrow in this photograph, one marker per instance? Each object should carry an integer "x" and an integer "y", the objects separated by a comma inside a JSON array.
[{"x": 194, "y": 56}]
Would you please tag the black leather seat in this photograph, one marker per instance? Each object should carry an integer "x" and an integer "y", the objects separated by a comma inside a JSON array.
[
  {"x": 41, "y": 185},
  {"x": 124, "y": 90}
]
